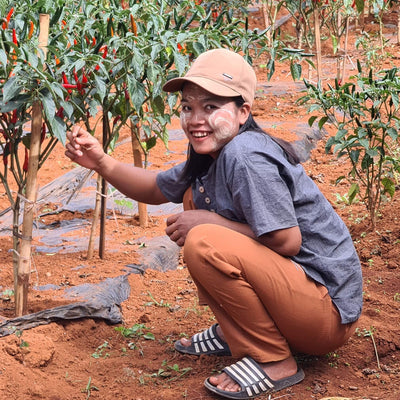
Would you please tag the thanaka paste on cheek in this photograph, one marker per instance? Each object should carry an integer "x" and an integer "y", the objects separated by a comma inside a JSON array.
[{"x": 222, "y": 123}]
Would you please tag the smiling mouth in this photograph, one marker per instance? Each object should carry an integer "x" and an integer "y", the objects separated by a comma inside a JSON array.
[{"x": 199, "y": 134}]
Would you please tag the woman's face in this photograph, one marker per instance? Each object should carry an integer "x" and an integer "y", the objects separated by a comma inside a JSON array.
[{"x": 210, "y": 121}]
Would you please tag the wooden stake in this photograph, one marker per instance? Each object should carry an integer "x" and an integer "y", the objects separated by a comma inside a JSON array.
[
  {"x": 346, "y": 40},
  {"x": 398, "y": 25},
  {"x": 317, "y": 35},
  {"x": 138, "y": 162},
  {"x": 103, "y": 191},
  {"x": 95, "y": 220},
  {"x": 24, "y": 261}
]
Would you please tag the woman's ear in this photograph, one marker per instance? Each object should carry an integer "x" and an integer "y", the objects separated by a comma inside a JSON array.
[{"x": 244, "y": 113}]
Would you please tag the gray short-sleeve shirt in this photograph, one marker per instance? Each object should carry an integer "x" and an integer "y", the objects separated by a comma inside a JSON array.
[{"x": 252, "y": 182}]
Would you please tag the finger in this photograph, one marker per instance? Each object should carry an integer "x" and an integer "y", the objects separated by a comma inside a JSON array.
[
  {"x": 172, "y": 218},
  {"x": 169, "y": 230}
]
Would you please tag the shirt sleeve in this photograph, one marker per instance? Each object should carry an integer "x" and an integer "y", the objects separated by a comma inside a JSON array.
[{"x": 171, "y": 183}]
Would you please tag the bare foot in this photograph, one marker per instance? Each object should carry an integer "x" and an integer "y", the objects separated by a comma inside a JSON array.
[{"x": 275, "y": 370}]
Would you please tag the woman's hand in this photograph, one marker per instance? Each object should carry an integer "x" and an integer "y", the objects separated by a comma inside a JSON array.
[
  {"x": 84, "y": 149},
  {"x": 179, "y": 225}
]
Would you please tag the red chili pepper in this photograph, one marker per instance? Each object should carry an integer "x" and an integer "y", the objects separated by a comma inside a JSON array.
[
  {"x": 9, "y": 15},
  {"x": 84, "y": 79},
  {"x": 26, "y": 161},
  {"x": 64, "y": 78},
  {"x": 116, "y": 119},
  {"x": 31, "y": 28},
  {"x": 14, "y": 37},
  {"x": 60, "y": 112},
  {"x": 103, "y": 56},
  {"x": 105, "y": 51},
  {"x": 69, "y": 86},
  {"x": 133, "y": 25},
  {"x": 78, "y": 84}
]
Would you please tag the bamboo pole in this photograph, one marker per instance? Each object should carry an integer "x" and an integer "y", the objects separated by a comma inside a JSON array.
[
  {"x": 317, "y": 35},
  {"x": 95, "y": 220},
  {"x": 24, "y": 261},
  {"x": 138, "y": 162},
  {"x": 267, "y": 23},
  {"x": 345, "y": 55},
  {"x": 398, "y": 26},
  {"x": 103, "y": 191}
]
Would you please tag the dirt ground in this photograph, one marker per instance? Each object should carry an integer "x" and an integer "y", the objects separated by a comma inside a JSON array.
[{"x": 89, "y": 358}]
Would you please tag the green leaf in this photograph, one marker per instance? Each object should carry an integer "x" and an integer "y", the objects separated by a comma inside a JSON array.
[
  {"x": 393, "y": 133},
  {"x": 311, "y": 120},
  {"x": 49, "y": 107},
  {"x": 180, "y": 63},
  {"x": 389, "y": 186},
  {"x": 100, "y": 87},
  {"x": 322, "y": 121},
  {"x": 334, "y": 43},
  {"x": 11, "y": 89},
  {"x": 58, "y": 129},
  {"x": 3, "y": 58},
  {"x": 137, "y": 93},
  {"x": 360, "y": 6},
  {"x": 295, "y": 70},
  {"x": 353, "y": 191}
]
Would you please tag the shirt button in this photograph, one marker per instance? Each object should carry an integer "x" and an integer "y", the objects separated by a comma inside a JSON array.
[
  {"x": 201, "y": 189},
  {"x": 207, "y": 200}
]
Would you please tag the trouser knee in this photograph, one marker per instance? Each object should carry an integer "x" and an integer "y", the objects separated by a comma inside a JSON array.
[{"x": 192, "y": 249}]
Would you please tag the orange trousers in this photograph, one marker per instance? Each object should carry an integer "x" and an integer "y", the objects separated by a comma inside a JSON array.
[{"x": 265, "y": 304}]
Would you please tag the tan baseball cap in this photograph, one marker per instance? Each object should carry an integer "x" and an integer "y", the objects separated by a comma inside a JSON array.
[{"x": 221, "y": 72}]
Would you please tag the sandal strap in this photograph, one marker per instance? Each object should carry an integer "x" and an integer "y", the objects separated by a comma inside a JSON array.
[
  {"x": 208, "y": 340},
  {"x": 248, "y": 374}
]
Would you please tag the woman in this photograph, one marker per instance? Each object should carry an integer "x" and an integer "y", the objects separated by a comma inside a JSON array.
[{"x": 265, "y": 249}]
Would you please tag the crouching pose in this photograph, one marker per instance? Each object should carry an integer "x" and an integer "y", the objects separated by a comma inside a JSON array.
[{"x": 266, "y": 250}]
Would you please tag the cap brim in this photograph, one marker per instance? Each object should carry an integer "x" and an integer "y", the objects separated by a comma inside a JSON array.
[{"x": 217, "y": 88}]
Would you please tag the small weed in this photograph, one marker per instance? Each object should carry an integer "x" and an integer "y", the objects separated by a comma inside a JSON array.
[
  {"x": 172, "y": 372},
  {"x": 100, "y": 351},
  {"x": 333, "y": 357},
  {"x": 196, "y": 309},
  {"x": 22, "y": 342},
  {"x": 342, "y": 199},
  {"x": 396, "y": 297},
  {"x": 370, "y": 333},
  {"x": 137, "y": 332},
  {"x": 6, "y": 294},
  {"x": 157, "y": 303},
  {"x": 89, "y": 388}
]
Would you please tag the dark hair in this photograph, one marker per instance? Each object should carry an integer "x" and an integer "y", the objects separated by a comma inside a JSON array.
[{"x": 198, "y": 164}]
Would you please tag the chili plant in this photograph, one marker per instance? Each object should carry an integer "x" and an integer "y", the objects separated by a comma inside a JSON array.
[
  {"x": 106, "y": 64},
  {"x": 365, "y": 115}
]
